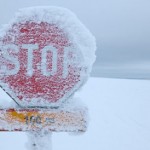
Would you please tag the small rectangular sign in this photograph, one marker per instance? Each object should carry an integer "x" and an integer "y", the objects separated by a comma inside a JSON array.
[{"x": 58, "y": 120}]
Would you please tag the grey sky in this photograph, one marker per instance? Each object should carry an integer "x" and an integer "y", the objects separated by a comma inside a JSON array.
[{"x": 121, "y": 28}]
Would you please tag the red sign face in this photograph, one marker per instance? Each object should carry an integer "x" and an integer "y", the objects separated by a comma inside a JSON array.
[{"x": 39, "y": 65}]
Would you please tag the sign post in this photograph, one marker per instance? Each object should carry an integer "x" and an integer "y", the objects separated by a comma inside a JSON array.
[
  {"x": 39, "y": 141},
  {"x": 43, "y": 61}
]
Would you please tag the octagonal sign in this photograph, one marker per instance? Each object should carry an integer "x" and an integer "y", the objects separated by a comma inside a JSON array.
[{"x": 42, "y": 62}]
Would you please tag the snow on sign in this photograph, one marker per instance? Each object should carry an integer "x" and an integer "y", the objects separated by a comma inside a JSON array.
[
  {"x": 58, "y": 120},
  {"x": 46, "y": 54}
]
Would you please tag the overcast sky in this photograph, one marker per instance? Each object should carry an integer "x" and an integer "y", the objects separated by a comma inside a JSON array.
[{"x": 121, "y": 28}]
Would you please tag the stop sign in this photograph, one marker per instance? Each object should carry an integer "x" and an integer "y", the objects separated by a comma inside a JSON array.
[{"x": 42, "y": 62}]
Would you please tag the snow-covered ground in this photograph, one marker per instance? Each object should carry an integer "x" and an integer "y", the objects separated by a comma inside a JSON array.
[{"x": 119, "y": 118}]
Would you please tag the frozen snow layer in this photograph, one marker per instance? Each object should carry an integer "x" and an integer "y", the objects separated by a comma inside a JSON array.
[
  {"x": 119, "y": 118},
  {"x": 39, "y": 141},
  {"x": 46, "y": 54},
  {"x": 66, "y": 20}
]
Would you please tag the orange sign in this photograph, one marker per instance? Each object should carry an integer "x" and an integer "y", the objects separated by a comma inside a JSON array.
[{"x": 47, "y": 119}]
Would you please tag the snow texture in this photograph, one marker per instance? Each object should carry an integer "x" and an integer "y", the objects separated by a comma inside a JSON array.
[
  {"x": 65, "y": 119},
  {"x": 119, "y": 118},
  {"x": 39, "y": 140},
  {"x": 66, "y": 20},
  {"x": 69, "y": 31}
]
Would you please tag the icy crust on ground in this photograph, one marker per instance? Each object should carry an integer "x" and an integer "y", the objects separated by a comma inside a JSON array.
[{"x": 78, "y": 34}]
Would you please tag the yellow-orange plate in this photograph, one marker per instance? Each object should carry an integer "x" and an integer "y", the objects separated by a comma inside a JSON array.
[{"x": 59, "y": 120}]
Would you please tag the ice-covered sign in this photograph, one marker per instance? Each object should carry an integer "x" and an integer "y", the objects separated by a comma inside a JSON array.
[{"x": 46, "y": 54}]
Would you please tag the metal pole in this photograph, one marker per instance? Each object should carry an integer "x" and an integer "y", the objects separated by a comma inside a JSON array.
[{"x": 41, "y": 140}]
